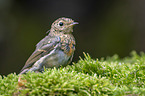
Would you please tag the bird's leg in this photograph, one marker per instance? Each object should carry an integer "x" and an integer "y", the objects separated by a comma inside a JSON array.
[
  {"x": 21, "y": 86},
  {"x": 21, "y": 82}
]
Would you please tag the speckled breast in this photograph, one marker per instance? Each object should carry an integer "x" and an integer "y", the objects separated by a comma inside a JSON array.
[{"x": 68, "y": 44}]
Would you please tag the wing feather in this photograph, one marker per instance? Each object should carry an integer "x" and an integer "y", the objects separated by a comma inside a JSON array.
[{"x": 45, "y": 46}]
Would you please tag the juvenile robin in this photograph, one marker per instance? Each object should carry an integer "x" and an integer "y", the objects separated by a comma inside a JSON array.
[{"x": 55, "y": 50}]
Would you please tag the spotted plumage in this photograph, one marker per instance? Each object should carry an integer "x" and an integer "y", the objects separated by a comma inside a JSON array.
[{"x": 54, "y": 50}]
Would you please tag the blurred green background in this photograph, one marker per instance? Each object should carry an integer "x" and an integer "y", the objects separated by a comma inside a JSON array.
[{"x": 106, "y": 27}]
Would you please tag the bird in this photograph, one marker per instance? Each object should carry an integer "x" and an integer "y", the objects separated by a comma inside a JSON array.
[{"x": 54, "y": 50}]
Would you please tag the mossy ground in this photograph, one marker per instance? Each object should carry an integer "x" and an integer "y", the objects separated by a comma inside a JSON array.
[{"x": 87, "y": 77}]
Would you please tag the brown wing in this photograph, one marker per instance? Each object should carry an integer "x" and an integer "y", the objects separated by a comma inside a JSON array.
[{"x": 42, "y": 48}]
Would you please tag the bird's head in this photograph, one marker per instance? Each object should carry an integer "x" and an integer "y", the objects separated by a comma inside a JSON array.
[{"x": 64, "y": 25}]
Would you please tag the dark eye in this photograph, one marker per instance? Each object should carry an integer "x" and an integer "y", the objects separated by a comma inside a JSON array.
[{"x": 60, "y": 24}]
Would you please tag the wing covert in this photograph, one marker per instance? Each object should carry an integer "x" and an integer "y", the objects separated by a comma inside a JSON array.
[{"x": 45, "y": 46}]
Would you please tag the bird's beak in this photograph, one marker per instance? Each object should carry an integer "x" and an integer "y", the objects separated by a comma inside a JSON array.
[{"x": 74, "y": 23}]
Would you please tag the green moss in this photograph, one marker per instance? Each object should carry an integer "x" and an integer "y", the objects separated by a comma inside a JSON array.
[{"x": 88, "y": 77}]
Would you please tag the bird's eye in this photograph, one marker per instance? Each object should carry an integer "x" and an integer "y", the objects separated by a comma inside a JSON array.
[{"x": 60, "y": 24}]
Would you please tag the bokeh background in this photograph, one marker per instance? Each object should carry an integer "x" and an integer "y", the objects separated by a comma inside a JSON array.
[{"x": 106, "y": 27}]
